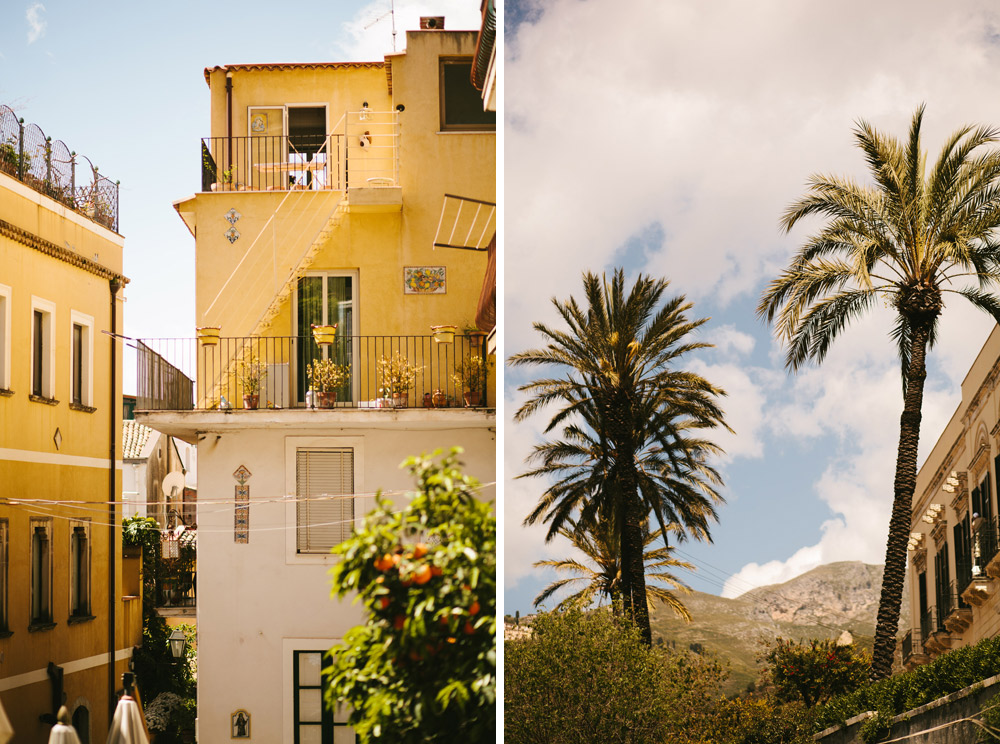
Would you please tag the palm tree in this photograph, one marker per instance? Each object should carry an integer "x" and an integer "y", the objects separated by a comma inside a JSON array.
[
  {"x": 907, "y": 241},
  {"x": 600, "y": 543},
  {"x": 630, "y": 421}
]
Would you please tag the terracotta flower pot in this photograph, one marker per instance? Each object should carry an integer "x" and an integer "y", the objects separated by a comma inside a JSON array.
[
  {"x": 250, "y": 402},
  {"x": 400, "y": 400},
  {"x": 428, "y": 400},
  {"x": 440, "y": 399},
  {"x": 326, "y": 400},
  {"x": 472, "y": 398}
]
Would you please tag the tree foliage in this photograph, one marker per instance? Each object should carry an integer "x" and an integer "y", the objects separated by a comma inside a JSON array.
[
  {"x": 907, "y": 241},
  {"x": 588, "y": 676},
  {"x": 630, "y": 421},
  {"x": 601, "y": 576},
  {"x": 814, "y": 671},
  {"x": 423, "y": 668}
]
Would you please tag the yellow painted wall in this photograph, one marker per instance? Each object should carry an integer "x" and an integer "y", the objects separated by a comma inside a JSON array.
[
  {"x": 33, "y": 467},
  {"x": 237, "y": 281}
]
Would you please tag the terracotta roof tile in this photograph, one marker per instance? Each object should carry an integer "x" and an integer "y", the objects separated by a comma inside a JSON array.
[
  {"x": 134, "y": 438},
  {"x": 290, "y": 66}
]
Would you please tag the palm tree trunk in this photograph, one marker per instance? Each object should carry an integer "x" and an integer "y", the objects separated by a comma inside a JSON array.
[
  {"x": 632, "y": 564},
  {"x": 905, "y": 483}
]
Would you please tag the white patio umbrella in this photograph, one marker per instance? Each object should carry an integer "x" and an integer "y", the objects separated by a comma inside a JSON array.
[
  {"x": 63, "y": 732},
  {"x": 6, "y": 730},
  {"x": 126, "y": 727}
]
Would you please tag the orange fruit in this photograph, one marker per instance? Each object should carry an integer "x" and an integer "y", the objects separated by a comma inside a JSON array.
[
  {"x": 422, "y": 575},
  {"x": 398, "y": 622},
  {"x": 383, "y": 602},
  {"x": 383, "y": 563},
  {"x": 419, "y": 550},
  {"x": 474, "y": 608},
  {"x": 469, "y": 628},
  {"x": 436, "y": 571},
  {"x": 395, "y": 559}
]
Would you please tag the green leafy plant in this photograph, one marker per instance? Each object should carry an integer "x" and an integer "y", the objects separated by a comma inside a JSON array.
[
  {"x": 471, "y": 374},
  {"x": 396, "y": 375},
  {"x": 814, "y": 671},
  {"x": 422, "y": 669},
  {"x": 589, "y": 677},
  {"x": 250, "y": 373},
  {"x": 325, "y": 375}
]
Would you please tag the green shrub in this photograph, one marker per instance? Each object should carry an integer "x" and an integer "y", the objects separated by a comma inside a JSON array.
[
  {"x": 760, "y": 721},
  {"x": 814, "y": 671},
  {"x": 948, "y": 673},
  {"x": 589, "y": 677}
]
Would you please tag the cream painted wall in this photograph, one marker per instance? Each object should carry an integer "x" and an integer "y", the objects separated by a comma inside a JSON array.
[{"x": 251, "y": 600}]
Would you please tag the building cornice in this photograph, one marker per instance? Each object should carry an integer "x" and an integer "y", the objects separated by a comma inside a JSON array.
[{"x": 58, "y": 252}]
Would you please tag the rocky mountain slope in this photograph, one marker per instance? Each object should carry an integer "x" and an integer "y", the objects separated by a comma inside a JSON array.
[{"x": 819, "y": 604}]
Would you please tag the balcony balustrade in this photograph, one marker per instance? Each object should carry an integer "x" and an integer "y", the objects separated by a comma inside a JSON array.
[
  {"x": 373, "y": 372},
  {"x": 360, "y": 152}
]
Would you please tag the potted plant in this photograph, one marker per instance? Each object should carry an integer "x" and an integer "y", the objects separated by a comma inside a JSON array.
[
  {"x": 396, "y": 377},
  {"x": 250, "y": 373},
  {"x": 325, "y": 376},
  {"x": 475, "y": 335},
  {"x": 471, "y": 375},
  {"x": 444, "y": 334}
]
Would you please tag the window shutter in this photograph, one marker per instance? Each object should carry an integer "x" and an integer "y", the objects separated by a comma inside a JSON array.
[{"x": 324, "y": 488}]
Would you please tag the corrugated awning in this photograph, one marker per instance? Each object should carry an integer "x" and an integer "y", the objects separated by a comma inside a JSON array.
[{"x": 465, "y": 223}]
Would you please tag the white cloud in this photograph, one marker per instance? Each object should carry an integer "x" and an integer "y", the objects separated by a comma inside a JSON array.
[
  {"x": 36, "y": 22},
  {"x": 706, "y": 120},
  {"x": 369, "y": 34}
]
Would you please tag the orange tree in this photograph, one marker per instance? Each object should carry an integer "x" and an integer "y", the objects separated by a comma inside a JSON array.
[
  {"x": 814, "y": 671},
  {"x": 423, "y": 668}
]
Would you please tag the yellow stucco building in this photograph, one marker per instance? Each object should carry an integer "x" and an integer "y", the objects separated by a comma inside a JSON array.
[
  {"x": 359, "y": 195},
  {"x": 66, "y": 630},
  {"x": 954, "y": 565}
]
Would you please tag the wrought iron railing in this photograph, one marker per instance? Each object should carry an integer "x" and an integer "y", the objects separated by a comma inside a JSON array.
[
  {"x": 361, "y": 151},
  {"x": 911, "y": 639},
  {"x": 375, "y": 372},
  {"x": 50, "y": 168},
  {"x": 984, "y": 544},
  {"x": 177, "y": 591},
  {"x": 955, "y": 597}
]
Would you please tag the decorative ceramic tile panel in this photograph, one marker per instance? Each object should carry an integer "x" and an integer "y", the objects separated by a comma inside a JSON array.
[
  {"x": 233, "y": 216},
  {"x": 232, "y": 234},
  {"x": 424, "y": 280}
]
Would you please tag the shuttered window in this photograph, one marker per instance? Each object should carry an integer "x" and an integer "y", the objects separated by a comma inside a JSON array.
[{"x": 324, "y": 488}]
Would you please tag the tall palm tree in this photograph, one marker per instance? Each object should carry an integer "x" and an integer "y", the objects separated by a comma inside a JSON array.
[
  {"x": 907, "y": 240},
  {"x": 601, "y": 579},
  {"x": 630, "y": 421}
]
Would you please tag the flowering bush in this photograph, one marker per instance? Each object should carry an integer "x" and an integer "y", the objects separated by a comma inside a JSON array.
[
  {"x": 161, "y": 711},
  {"x": 816, "y": 670}
]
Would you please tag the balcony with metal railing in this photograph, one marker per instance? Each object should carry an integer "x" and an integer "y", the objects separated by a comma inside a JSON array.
[
  {"x": 50, "y": 168},
  {"x": 309, "y": 372},
  {"x": 362, "y": 151}
]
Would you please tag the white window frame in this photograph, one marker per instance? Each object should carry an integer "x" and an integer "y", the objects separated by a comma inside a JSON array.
[
  {"x": 86, "y": 322},
  {"x": 5, "y": 312},
  {"x": 48, "y": 310},
  {"x": 292, "y": 446}
]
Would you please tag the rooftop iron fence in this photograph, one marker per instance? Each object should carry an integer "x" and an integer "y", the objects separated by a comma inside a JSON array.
[
  {"x": 367, "y": 372},
  {"x": 50, "y": 168},
  {"x": 361, "y": 151}
]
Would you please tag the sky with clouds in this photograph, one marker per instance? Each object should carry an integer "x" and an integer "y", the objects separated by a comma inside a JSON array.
[
  {"x": 668, "y": 137},
  {"x": 123, "y": 84}
]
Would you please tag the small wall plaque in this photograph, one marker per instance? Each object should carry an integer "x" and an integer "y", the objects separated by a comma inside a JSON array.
[{"x": 240, "y": 724}]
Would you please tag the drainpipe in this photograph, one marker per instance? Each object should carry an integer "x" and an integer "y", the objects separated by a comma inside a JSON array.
[
  {"x": 229, "y": 120},
  {"x": 116, "y": 285}
]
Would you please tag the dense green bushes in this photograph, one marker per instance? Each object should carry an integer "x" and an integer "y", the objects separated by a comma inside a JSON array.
[
  {"x": 589, "y": 677},
  {"x": 890, "y": 697}
]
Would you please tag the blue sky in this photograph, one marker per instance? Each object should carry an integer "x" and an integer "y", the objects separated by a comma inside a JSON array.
[
  {"x": 123, "y": 84},
  {"x": 668, "y": 137}
]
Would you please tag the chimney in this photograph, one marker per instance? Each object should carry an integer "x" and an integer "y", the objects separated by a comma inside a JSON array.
[{"x": 432, "y": 23}]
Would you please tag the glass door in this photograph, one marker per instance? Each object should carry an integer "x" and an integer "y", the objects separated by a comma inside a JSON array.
[{"x": 326, "y": 299}]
